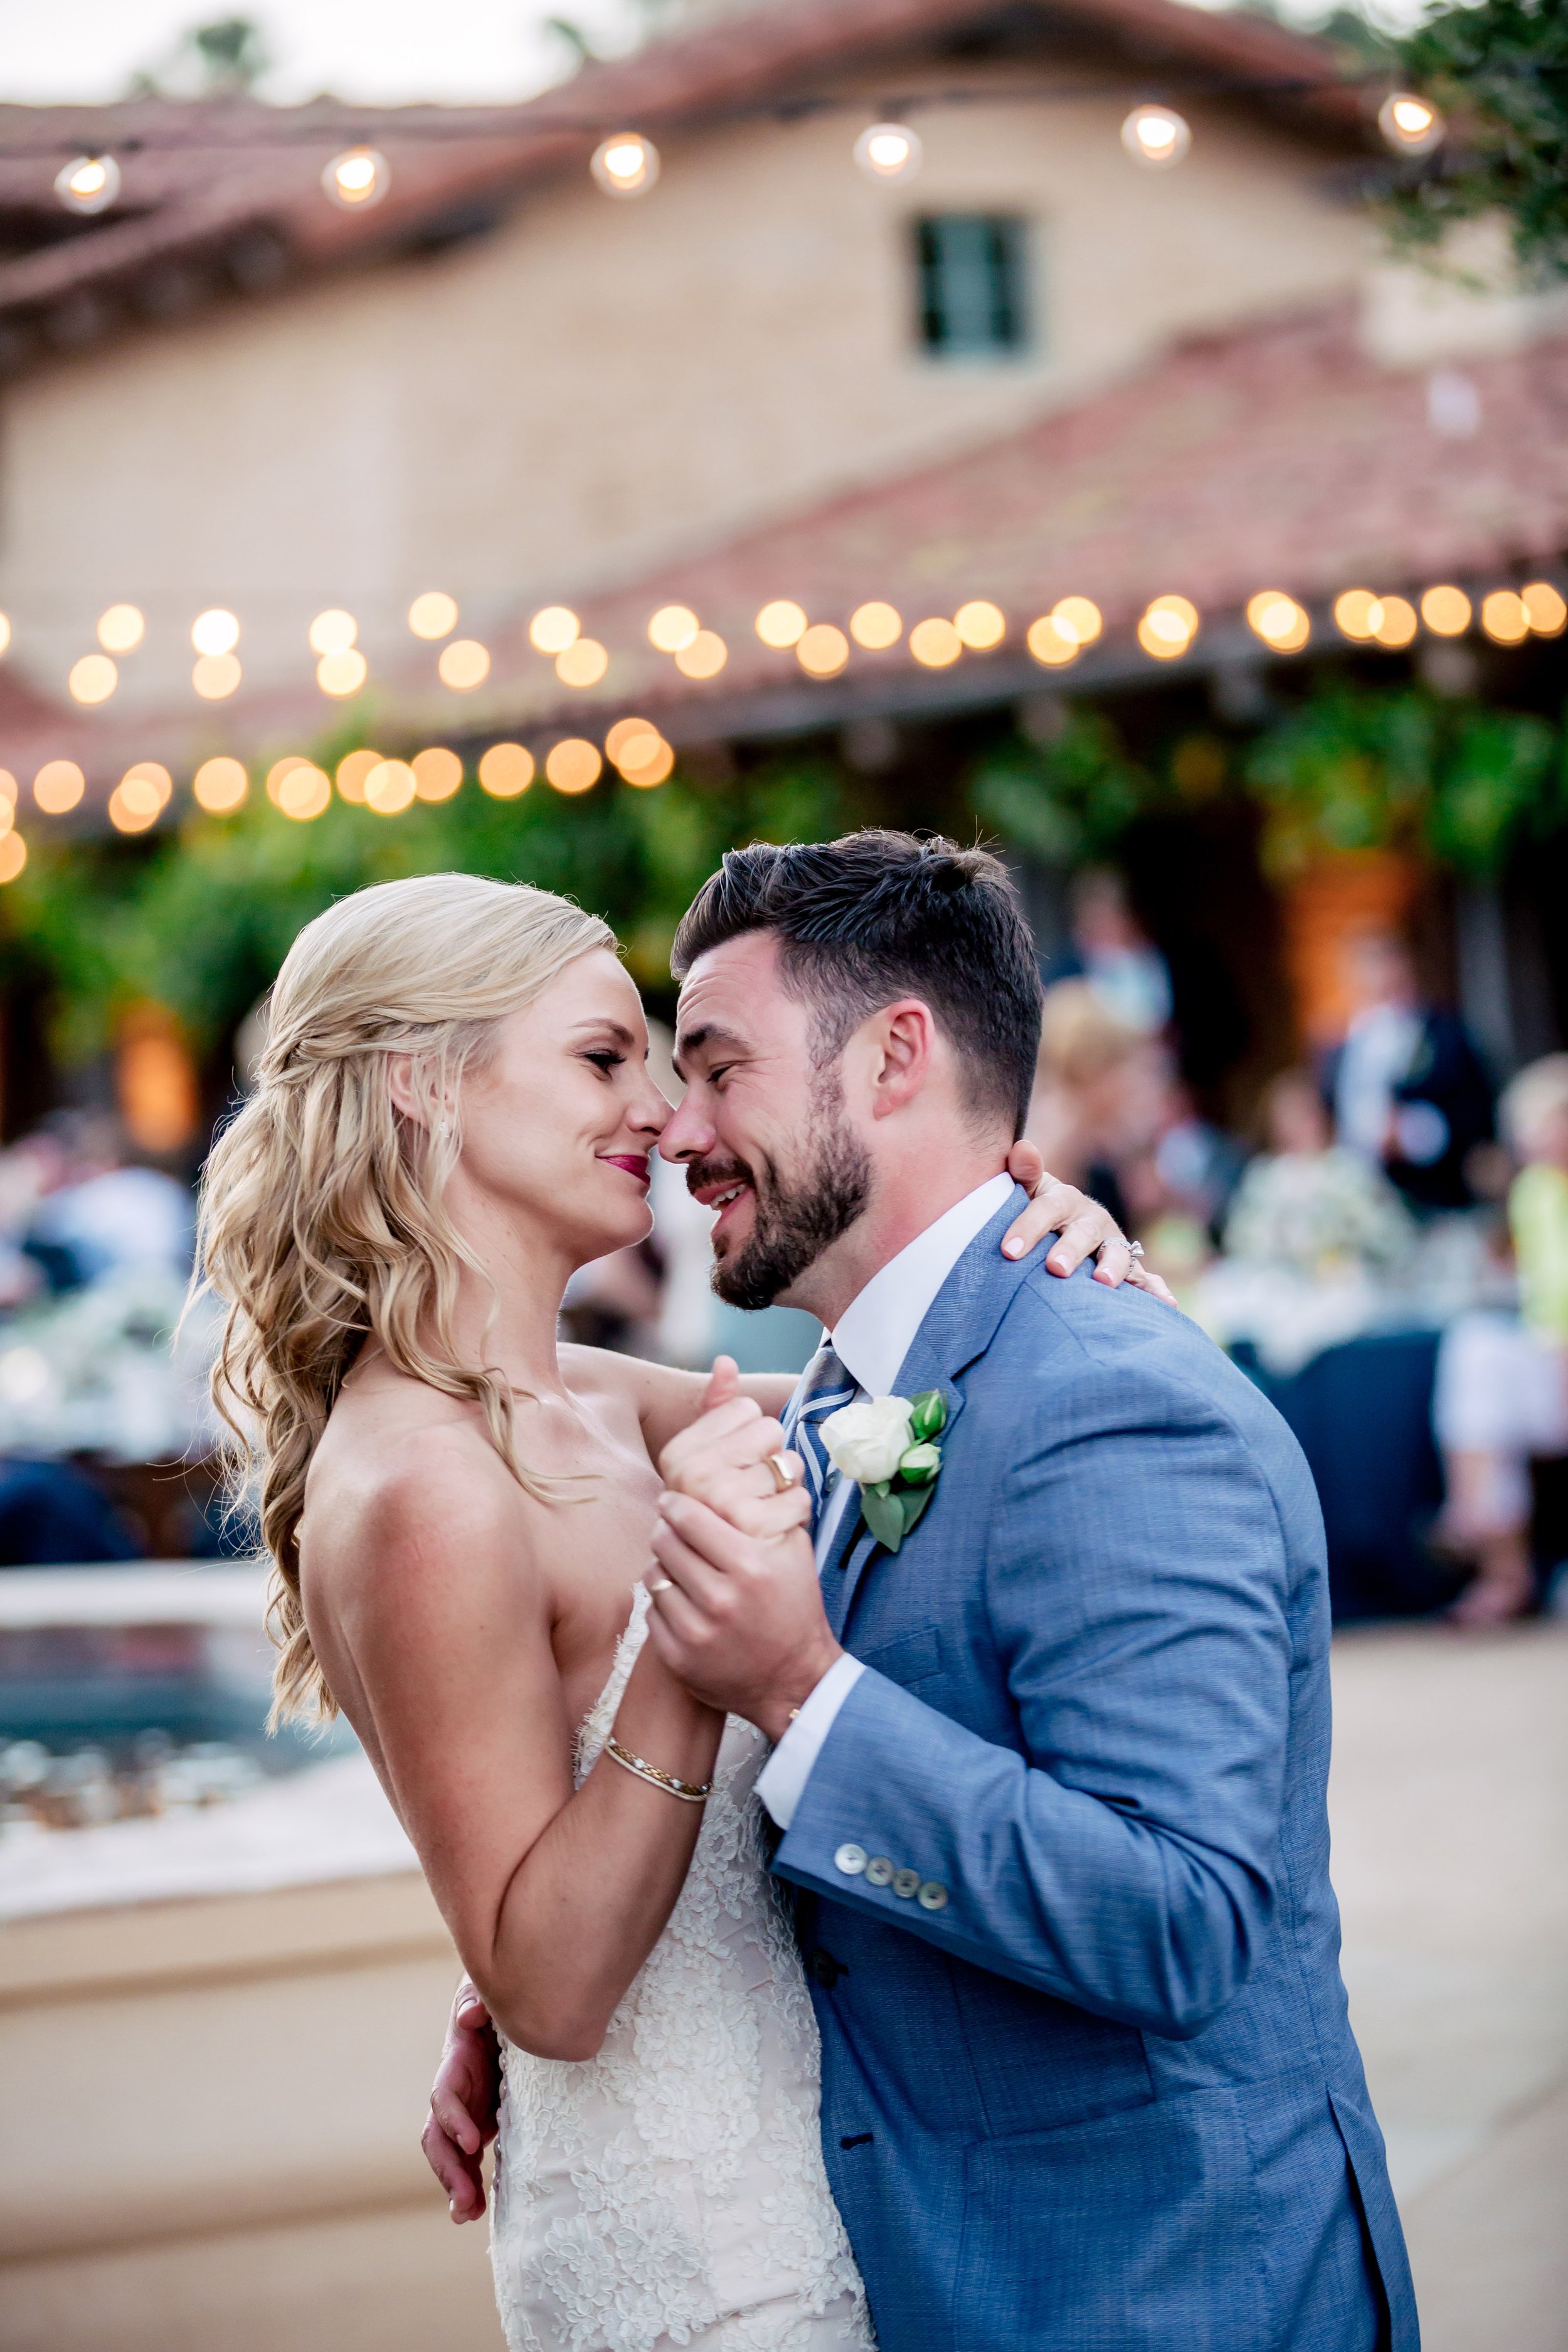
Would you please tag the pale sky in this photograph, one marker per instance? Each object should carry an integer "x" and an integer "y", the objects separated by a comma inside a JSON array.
[{"x": 382, "y": 52}]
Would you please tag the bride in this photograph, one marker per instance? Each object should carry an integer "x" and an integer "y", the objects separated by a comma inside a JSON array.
[{"x": 452, "y": 1114}]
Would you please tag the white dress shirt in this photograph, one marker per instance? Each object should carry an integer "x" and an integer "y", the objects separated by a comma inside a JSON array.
[{"x": 873, "y": 1336}]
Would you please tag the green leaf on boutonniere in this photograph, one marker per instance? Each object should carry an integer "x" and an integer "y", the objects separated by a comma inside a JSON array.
[
  {"x": 914, "y": 1502},
  {"x": 928, "y": 1415},
  {"x": 883, "y": 1512}
]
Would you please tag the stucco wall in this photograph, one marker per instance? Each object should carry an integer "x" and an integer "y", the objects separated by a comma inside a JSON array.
[{"x": 598, "y": 385}]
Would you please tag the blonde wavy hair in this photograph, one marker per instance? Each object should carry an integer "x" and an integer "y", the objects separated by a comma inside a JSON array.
[{"x": 321, "y": 1221}]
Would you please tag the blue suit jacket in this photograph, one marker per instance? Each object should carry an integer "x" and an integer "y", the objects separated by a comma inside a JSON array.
[{"x": 1104, "y": 2097}]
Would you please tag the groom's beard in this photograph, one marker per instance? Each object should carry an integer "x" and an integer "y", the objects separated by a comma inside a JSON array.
[{"x": 793, "y": 1224}]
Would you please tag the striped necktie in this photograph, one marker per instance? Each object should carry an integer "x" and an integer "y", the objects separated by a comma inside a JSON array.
[{"x": 824, "y": 1386}]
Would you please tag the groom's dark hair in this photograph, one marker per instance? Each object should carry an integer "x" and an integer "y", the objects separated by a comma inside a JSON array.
[{"x": 877, "y": 916}]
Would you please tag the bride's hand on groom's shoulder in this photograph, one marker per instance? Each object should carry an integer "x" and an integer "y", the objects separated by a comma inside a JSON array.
[
  {"x": 465, "y": 2101},
  {"x": 1085, "y": 1229}
]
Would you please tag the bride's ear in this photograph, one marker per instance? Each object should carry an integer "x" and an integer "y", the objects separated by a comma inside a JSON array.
[{"x": 404, "y": 1094}]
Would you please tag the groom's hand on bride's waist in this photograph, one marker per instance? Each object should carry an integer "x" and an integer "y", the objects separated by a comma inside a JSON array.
[{"x": 737, "y": 1610}]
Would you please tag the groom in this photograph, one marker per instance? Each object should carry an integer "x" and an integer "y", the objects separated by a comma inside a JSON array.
[{"x": 1049, "y": 1775}]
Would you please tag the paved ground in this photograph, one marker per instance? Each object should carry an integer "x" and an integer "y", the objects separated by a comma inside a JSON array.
[{"x": 1450, "y": 1818}]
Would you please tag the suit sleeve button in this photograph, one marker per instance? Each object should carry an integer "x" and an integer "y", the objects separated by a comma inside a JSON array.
[
  {"x": 878, "y": 1871},
  {"x": 905, "y": 1882},
  {"x": 932, "y": 1895},
  {"x": 850, "y": 1858}
]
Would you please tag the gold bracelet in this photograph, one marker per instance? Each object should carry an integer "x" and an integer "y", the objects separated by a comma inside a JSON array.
[{"x": 691, "y": 1792}]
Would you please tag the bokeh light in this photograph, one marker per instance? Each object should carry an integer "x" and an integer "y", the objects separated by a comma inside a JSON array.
[
  {"x": 583, "y": 663},
  {"x": 433, "y": 614},
  {"x": 626, "y": 734},
  {"x": 1079, "y": 619},
  {"x": 1412, "y": 125},
  {"x": 464, "y": 663},
  {"x": 133, "y": 804},
  {"x": 357, "y": 179},
  {"x": 1156, "y": 137},
  {"x": 121, "y": 629},
  {"x": 505, "y": 770},
  {"x": 343, "y": 673},
  {"x": 1278, "y": 620},
  {"x": 216, "y": 675},
  {"x": 672, "y": 628},
  {"x": 1357, "y": 613},
  {"x": 59, "y": 786},
  {"x": 574, "y": 764},
  {"x": 935, "y": 644},
  {"x": 876, "y": 626},
  {"x": 1545, "y": 608},
  {"x": 333, "y": 631},
  {"x": 1049, "y": 643},
  {"x": 437, "y": 773},
  {"x": 153, "y": 773},
  {"x": 13, "y": 857},
  {"x": 92, "y": 679},
  {"x": 1168, "y": 628},
  {"x": 1396, "y": 622},
  {"x": 1446, "y": 611},
  {"x": 304, "y": 791},
  {"x": 625, "y": 164},
  {"x": 390, "y": 787},
  {"x": 220, "y": 786},
  {"x": 216, "y": 631},
  {"x": 9, "y": 789},
  {"x": 1504, "y": 617},
  {"x": 5, "y": 632},
  {"x": 781, "y": 624},
  {"x": 352, "y": 770},
  {"x": 281, "y": 770},
  {"x": 554, "y": 629},
  {"x": 889, "y": 151},
  {"x": 705, "y": 657},
  {"x": 654, "y": 768},
  {"x": 980, "y": 625},
  {"x": 823, "y": 650},
  {"x": 88, "y": 184}
]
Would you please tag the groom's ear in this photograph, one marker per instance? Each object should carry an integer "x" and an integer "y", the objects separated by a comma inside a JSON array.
[{"x": 903, "y": 1041}]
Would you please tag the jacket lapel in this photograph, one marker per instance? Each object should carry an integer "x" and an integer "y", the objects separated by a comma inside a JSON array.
[{"x": 959, "y": 1327}]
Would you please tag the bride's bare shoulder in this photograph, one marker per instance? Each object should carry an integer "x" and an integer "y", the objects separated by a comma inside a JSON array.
[{"x": 401, "y": 1475}]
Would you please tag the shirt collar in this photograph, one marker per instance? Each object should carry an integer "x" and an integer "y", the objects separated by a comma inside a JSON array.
[{"x": 876, "y": 1329}]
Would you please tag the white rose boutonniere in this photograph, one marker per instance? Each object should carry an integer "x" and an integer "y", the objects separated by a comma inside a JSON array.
[{"x": 885, "y": 1445}]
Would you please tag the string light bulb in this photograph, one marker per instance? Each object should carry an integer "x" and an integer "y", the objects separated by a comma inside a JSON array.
[
  {"x": 583, "y": 663},
  {"x": 1156, "y": 137},
  {"x": 433, "y": 614},
  {"x": 574, "y": 764},
  {"x": 1545, "y": 608},
  {"x": 59, "y": 786},
  {"x": 1446, "y": 611},
  {"x": 88, "y": 183},
  {"x": 876, "y": 626},
  {"x": 1278, "y": 620},
  {"x": 781, "y": 624},
  {"x": 672, "y": 628},
  {"x": 980, "y": 625},
  {"x": 121, "y": 629},
  {"x": 220, "y": 786},
  {"x": 888, "y": 152},
  {"x": 1412, "y": 125},
  {"x": 704, "y": 658},
  {"x": 216, "y": 677},
  {"x": 92, "y": 679},
  {"x": 1505, "y": 617},
  {"x": 342, "y": 673},
  {"x": 13, "y": 857},
  {"x": 823, "y": 651},
  {"x": 1168, "y": 628},
  {"x": 1050, "y": 643},
  {"x": 390, "y": 787},
  {"x": 464, "y": 663},
  {"x": 1078, "y": 619},
  {"x": 357, "y": 179},
  {"x": 625, "y": 164},
  {"x": 214, "y": 631},
  {"x": 554, "y": 629},
  {"x": 935, "y": 644},
  {"x": 505, "y": 770},
  {"x": 333, "y": 632}
]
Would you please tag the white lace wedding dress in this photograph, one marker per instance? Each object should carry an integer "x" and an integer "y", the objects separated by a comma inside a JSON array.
[{"x": 671, "y": 2190}]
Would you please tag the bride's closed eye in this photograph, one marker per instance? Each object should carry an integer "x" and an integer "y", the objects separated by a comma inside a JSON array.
[{"x": 605, "y": 1058}]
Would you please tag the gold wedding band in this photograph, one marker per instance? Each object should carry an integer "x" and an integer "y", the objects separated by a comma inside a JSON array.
[
  {"x": 658, "y": 1584},
  {"x": 783, "y": 1476}
]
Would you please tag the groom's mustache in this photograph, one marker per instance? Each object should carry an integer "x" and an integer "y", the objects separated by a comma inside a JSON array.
[{"x": 700, "y": 1172}]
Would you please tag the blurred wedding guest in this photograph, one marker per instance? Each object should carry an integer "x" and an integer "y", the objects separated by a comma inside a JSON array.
[
  {"x": 1114, "y": 954},
  {"x": 1101, "y": 1098},
  {"x": 1315, "y": 1237},
  {"x": 1407, "y": 1086},
  {"x": 107, "y": 1212},
  {"x": 1502, "y": 1379}
]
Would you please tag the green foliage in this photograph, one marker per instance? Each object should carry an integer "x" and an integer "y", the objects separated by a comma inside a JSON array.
[
  {"x": 1358, "y": 768},
  {"x": 1500, "y": 72},
  {"x": 199, "y": 920},
  {"x": 1070, "y": 797}
]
